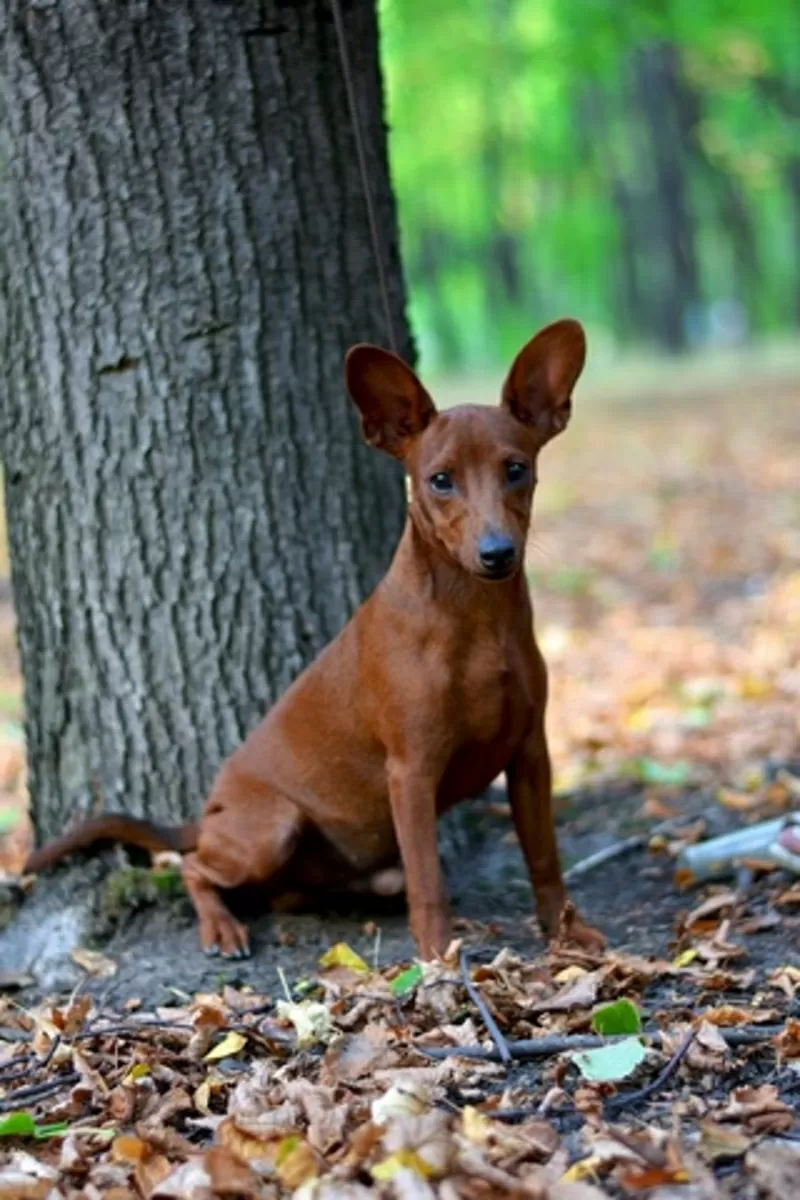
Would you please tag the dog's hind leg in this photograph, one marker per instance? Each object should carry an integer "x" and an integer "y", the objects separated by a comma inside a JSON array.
[{"x": 239, "y": 845}]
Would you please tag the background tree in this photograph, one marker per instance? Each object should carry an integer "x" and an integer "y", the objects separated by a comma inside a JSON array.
[
  {"x": 635, "y": 164},
  {"x": 184, "y": 257}
]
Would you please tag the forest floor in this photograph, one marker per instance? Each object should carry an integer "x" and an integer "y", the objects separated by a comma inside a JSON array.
[{"x": 666, "y": 575}]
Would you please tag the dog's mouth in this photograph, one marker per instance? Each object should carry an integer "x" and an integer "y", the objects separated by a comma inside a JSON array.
[{"x": 499, "y": 573}]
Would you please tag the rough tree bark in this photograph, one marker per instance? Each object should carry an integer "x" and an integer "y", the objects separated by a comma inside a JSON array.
[{"x": 184, "y": 258}]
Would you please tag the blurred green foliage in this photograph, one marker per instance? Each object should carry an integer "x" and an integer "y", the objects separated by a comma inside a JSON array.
[{"x": 635, "y": 163}]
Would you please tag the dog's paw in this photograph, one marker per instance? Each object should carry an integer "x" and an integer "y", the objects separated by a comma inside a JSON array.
[
  {"x": 223, "y": 935},
  {"x": 574, "y": 931}
]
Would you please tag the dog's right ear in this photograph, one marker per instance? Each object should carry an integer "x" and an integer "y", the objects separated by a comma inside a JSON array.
[{"x": 393, "y": 404}]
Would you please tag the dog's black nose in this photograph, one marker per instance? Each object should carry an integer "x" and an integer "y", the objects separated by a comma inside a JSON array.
[{"x": 496, "y": 553}]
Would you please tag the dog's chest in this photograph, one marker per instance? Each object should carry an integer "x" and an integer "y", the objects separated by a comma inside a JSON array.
[
  {"x": 489, "y": 713},
  {"x": 491, "y": 693}
]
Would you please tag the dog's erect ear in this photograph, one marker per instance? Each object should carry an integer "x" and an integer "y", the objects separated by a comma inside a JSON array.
[
  {"x": 394, "y": 405},
  {"x": 538, "y": 388}
]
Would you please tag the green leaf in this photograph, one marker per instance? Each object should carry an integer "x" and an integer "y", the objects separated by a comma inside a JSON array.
[
  {"x": 610, "y": 1063},
  {"x": 42, "y": 1132},
  {"x": 9, "y": 817},
  {"x": 620, "y": 1017},
  {"x": 406, "y": 981},
  {"x": 663, "y": 556},
  {"x": 653, "y": 772},
  {"x": 22, "y": 1124},
  {"x": 697, "y": 716}
]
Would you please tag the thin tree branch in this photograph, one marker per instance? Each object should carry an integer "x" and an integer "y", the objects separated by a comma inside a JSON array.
[{"x": 479, "y": 1002}]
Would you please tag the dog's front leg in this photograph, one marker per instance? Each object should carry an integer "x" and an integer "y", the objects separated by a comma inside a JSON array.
[
  {"x": 530, "y": 795},
  {"x": 412, "y": 793}
]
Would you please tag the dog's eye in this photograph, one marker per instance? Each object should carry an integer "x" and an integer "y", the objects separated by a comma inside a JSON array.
[
  {"x": 516, "y": 471},
  {"x": 441, "y": 483}
]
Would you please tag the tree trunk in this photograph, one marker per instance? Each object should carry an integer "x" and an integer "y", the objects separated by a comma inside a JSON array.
[
  {"x": 185, "y": 258},
  {"x": 657, "y": 74},
  {"x": 784, "y": 93},
  {"x": 596, "y": 115},
  {"x": 792, "y": 177},
  {"x": 733, "y": 214}
]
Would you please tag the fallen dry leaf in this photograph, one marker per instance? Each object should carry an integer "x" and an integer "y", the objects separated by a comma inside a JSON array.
[
  {"x": 581, "y": 993},
  {"x": 94, "y": 963},
  {"x": 759, "y": 1109},
  {"x": 719, "y": 1143}
]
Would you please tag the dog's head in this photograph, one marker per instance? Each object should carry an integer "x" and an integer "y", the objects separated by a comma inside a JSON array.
[{"x": 472, "y": 469}]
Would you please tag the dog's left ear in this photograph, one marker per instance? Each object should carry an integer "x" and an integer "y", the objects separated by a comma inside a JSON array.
[
  {"x": 538, "y": 388},
  {"x": 394, "y": 405}
]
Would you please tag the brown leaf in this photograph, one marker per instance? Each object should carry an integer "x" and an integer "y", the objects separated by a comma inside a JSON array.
[
  {"x": 326, "y": 1113},
  {"x": 580, "y": 994},
  {"x": 170, "y": 1105},
  {"x": 786, "y": 979},
  {"x": 129, "y": 1149},
  {"x": 150, "y": 1172},
  {"x": 760, "y": 1109},
  {"x": 637, "y": 1182},
  {"x": 245, "y": 1145},
  {"x": 73, "y": 1018},
  {"x": 355, "y": 1055},
  {"x": 727, "y": 1015},
  {"x": 709, "y": 1051},
  {"x": 739, "y": 801},
  {"x": 229, "y": 1174},
  {"x": 91, "y": 1078},
  {"x": 789, "y": 898},
  {"x": 787, "y": 1043},
  {"x": 208, "y": 1012},
  {"x": 711, "y": 906},
  {"x": 719, "y": 1144},
  {"x": 121, "y": 1105},
  {"x": 93, "y": 963}
]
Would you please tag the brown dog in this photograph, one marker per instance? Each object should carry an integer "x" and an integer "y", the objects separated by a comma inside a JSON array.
[{"x": 432, "y": 689}]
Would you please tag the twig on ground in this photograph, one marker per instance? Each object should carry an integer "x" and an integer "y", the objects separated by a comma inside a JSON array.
[
  {"x": 132, "y": 1029},
  {"x": 22, "y": 1065},
  {"x": 38, "y": 1091},
  {"x": 618, "y": 849},
  {"x": 546, "y": 1047},
  {"x": 601, "y": 857},
  {"x": 479, "y": 1002},
  {"x": 16, "y": 1068},
  {"x": 627, "y": 1099}
]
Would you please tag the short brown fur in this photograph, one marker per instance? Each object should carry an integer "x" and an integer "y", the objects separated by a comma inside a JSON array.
[{"x": 434, "y": 687}]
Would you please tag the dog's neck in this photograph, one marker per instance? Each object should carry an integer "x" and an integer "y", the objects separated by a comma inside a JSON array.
[{"x": 422, "y": 570}]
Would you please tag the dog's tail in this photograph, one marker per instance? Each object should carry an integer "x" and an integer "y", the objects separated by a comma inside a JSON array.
[{"x": 114, "y": 827}]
